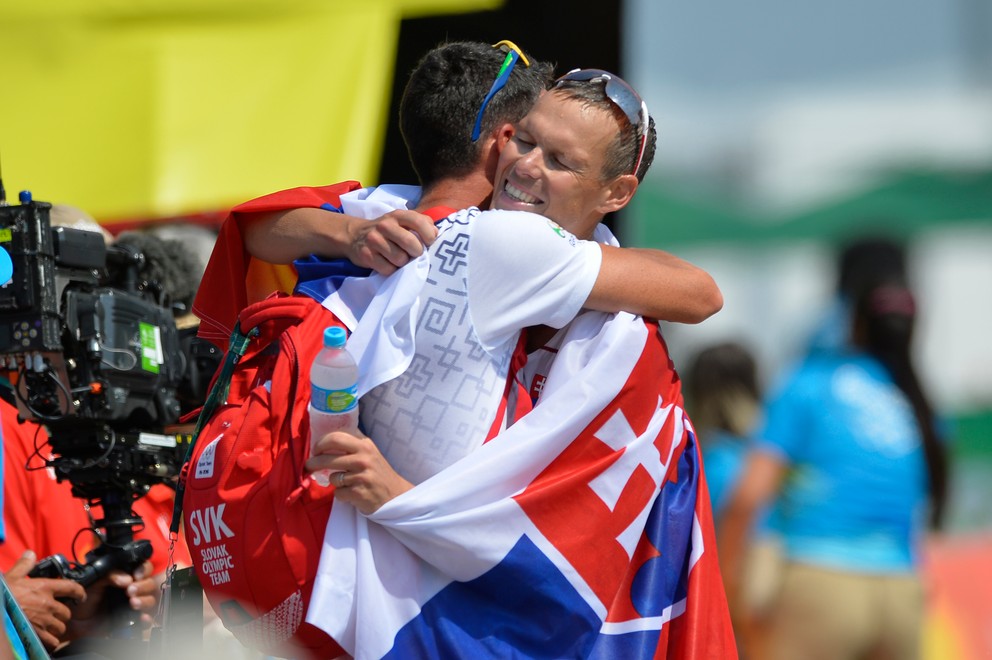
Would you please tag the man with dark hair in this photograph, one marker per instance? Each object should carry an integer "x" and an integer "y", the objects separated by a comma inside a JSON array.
[
  {"x": 441, "y": 104},
  {"x": 515, "y": 276}
]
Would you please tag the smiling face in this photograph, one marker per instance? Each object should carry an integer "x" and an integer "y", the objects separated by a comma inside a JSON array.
[{"x": 552, "y": 165}]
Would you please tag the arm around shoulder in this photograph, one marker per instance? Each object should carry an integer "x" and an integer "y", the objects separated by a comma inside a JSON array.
[
  {"x": 279, "y": 237},
  {"x": 383, "y": 244},
  {"x": 655, "y": 284}
]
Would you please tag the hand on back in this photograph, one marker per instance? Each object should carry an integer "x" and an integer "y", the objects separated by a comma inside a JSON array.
[{"x": 390, "y": 241}]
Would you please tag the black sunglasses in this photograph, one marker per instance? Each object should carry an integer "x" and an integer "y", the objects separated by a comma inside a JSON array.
[{"x": 622, "y": 95}]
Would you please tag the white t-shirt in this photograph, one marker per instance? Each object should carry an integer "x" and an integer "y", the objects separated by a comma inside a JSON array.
[{"x": 492, "y": 273}]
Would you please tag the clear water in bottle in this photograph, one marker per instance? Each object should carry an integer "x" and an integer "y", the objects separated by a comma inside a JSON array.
[{"x": 333, "y": 392}]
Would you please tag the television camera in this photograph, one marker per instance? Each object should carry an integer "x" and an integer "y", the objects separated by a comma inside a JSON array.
[{"x": 90, "y": 346}]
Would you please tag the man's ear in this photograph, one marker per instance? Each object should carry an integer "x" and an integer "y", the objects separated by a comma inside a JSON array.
[
  {"x": 503, "y": 135},
  {"x": 618, "y": 193},
  {"x": 498, "y": 139}
]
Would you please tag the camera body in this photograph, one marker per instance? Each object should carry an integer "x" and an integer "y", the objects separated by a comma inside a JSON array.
[
  {"x": 93, "y": 353},
  {"x": 90, "y": 341},
  {"x": 98, "y": 565}
]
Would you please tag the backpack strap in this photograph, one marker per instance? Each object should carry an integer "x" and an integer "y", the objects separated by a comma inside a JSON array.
[{"x": 218, "y": 394}]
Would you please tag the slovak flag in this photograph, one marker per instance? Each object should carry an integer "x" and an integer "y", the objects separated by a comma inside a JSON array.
[{"x": 582, "y": 531}]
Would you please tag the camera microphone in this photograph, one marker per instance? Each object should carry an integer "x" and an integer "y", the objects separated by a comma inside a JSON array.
[{"x": 167, "y": 263}]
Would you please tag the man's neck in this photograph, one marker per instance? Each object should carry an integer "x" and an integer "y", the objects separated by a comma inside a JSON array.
[{"x": 474, "y": 189}]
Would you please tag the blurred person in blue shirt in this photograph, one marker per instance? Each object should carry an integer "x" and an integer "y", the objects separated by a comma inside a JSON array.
[{"x": 851, "y": 450}]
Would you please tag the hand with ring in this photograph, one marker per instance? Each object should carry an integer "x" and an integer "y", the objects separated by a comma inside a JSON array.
[{"x": 362, "y": 476}]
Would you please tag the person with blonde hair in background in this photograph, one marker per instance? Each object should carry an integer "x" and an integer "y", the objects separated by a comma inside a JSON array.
[{"x": 723, "y": 394}]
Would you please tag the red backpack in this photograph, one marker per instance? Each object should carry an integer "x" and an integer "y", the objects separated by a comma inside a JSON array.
[{"x": 253, "y": 524}]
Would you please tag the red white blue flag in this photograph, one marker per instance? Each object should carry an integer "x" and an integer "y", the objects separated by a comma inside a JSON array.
[{"x": 582, "y": 531}]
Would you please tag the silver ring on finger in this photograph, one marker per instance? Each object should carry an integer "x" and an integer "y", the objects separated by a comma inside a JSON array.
[{"x": 339, "y": 479}]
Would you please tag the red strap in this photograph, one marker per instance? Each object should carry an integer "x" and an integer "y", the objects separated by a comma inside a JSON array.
[
  {"x": 277, "y": 305},
  {"x": 524, "y": 405},
  {"x": 517, "y": 363},
  {"x": 439, "y": 213}
]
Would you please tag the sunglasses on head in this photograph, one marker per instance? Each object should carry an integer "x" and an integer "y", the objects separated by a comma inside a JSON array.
[
  {"x": 622, "y": 95},
  {"x": 513, "y": 53}
]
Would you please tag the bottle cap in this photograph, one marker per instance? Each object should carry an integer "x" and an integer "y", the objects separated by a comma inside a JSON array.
[{"x": 334, "y": 337}]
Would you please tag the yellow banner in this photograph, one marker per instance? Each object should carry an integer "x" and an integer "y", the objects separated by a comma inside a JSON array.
[{"x": 149, "y": 109}]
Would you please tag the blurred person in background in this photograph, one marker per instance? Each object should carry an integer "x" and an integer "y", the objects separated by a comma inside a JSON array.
[
  {"x": 723, "y": 397},
  {"x": 850, "y": 448},
  {"x": 861, "y": 260}
]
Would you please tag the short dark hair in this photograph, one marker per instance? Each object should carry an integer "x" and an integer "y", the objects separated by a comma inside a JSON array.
[
  {"x": 443, "y": 97},
  {"x": 621, "y": 155}
]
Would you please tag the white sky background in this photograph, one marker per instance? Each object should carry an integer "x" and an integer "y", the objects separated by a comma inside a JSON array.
[
  {"x": 809, "y": 94},
  {"x": 782, "y": 105}
]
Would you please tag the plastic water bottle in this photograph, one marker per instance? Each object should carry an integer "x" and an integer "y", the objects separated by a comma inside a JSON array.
[{"x": 333, "y": 393}]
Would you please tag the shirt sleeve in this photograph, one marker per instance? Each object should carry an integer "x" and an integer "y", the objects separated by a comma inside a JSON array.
[{"x": 525, "y": 270}]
